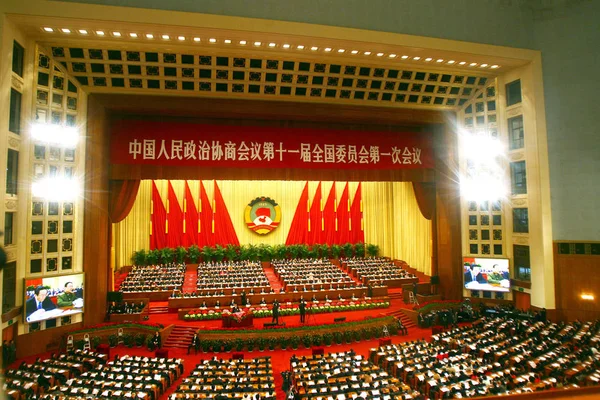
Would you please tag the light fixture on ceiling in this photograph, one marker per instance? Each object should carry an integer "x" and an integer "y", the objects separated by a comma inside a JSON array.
[
  {"x": 379, "y": 54},
  {"x": 272, "y": 45},
  {"x": 116, "y": 34},
  {"x": 243, "y": 42},
  {"x": 48, "y": 29},
  {"x": 428, "y": 59},
  {"x": 257, "y": 44},
  {"x": 495, "y": 66},
  {"x": 483, "y": 65},
  {"x": 227, "y": 41},
  {"x": 367, "y": 53},
  {"x": 587, "y": 296},
  {"x": 197, "y": 39},
  {"x": 439, "y": 60},
  {"x": 181, "y": 38},
  {"x": 100, "y": 33},
  {"x": 212, "y": 40},
  {"x": 341, "y": 50},
  {"x": 56, "y": 189},
  {"x": 83, "y": 31},
  {"x": 404, "y": 57},
  {"x": 166, "y": 37},
  {"x": 327, "y": 49},
  {"x": 286, "y": 46},
  {"x": 472, "y": 64},
  {"x": 354, "y": 52},
  {"x": 462, "y": 63},
  {"x": 149, "y": 36},
  {"x": 392, "y": 56},
  {"x": 416, "y": 58},
  {"x": 300, "y": 47},
  {"x": 314, "y": 48},
  {"x": 451, "y": 62},
  {"x": 133, "y": 35},
  {"x": 66, "y": 30}
]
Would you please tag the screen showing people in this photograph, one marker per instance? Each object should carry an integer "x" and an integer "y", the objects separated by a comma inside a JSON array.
[
  {"x": 489, "y": 274},
  {"x": 49, "y": 298}
]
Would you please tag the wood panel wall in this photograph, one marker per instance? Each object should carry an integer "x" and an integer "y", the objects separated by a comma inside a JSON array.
[{"x": 575, "y": 274}]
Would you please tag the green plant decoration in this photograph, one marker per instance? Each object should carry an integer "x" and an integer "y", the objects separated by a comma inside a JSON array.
[
  {"x": 180, "y": 254},
  {"x": 194, "y": 254}
]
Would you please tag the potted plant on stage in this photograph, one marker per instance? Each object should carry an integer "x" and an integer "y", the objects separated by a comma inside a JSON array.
[
  {"x": 338, "y": 337},
  {"x": 280, "y": 252},
  {"x": 227, "y": 345},
  {"x": 359, "y": 249},
  {"x": 113, "y": 340},
  {"x": 348, "y": 336},
  {"x": 166, "y": 255},
  {"x": 372, "y": 250},
  {"x": 238, "y": 344},
  {"x": 265, "y": 254},
  {"x": 336, "y": 251},
  {"x": 284, "y": 342},
  {"x": 153, "y": 257},
  {"x": 140, "y": 338},
  {"x": 250, "y": 343},
  {"x": 348, "y": 250},
  {"x": 317, "y": 339},
  {"x": 194, "y": 254},
  {"x": 232, "y": 252},
  {"x": 262, "y": 343},
  {"x": 327, "y": 339},
  {"x": 294, "y": 342},
  {"x": 273, "y": 343},
  {"x": 139, "y": 257},
  {"x": 219, "y": 253},
  {"x": 307, "y": 341},
  {"x": 95, "y": 342},
  {"x": 180, "y": 254}
]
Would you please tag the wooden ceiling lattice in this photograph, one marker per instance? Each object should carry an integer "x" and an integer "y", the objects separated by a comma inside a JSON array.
[{"x": 105, "y": 69}]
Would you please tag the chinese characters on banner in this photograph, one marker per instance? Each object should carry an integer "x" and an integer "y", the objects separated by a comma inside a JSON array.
[{"x": 161, "y": 143}]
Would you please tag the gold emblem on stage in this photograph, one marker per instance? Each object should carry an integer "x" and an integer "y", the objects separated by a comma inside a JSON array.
[{"x": 262, "y": 215}]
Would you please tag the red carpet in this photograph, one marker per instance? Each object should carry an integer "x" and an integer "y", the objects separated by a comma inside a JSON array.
[
  {"x": 273, "y": 279},
  {"x": 190, "y": 282}
]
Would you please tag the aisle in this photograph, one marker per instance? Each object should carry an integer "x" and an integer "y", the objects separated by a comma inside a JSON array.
[{"x": 273, "y": 279}]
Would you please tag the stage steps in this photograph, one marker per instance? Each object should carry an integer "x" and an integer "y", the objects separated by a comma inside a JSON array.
[
  {"x": 274, "y": 281},
  {"x": 406, "y": 321},
  {"x": 180, "y": 337},
  {"x": 158, "y": 309},
  {"x": 190, "y": 282}
]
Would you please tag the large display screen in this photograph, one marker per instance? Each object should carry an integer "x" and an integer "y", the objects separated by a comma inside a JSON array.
[
  {"x": 489, "y": 274},
  {"x": 53, "y": 297}
]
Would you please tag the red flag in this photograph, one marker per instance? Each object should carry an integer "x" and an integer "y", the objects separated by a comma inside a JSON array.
[
  {"x": 174, "y": 220},
  {"x": 158, "y": 236},
  {"x": 315, "y": 227},
  {"x": 224, "y": 230},
  {"x": 343, "y": 218},
  {"x": 329, "y": 218},
  {"x": 190, "y": 234},
  {"x": 299, "y": 228},
  {"x": 357, "y": 233},
  {"x": 206, "y": 236}
]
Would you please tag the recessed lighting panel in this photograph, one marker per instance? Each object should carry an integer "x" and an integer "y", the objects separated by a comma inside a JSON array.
[
  {"x": 149, "y": 36},
  {"x": 65, "y": 30},
  {"x": 166, "y": 37},
  {"x": 181, "y": 38},
  {"x": 48, "y": 29},
  {"x": 116, "y": 34},
  {"x": 83, "y": 31},
  {"x": 100, "y": 33}
]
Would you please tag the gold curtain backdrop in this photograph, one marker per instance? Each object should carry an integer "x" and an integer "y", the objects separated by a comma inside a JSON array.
[{"x": 392, "y": 219}]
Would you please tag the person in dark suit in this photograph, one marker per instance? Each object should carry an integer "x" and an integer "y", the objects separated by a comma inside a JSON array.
[
  {"x": 302, "y": 308},
  {"x": 195, "y": 344},
  {"x": 156, "y": 341},
  {"x": 243, "y": 297},
  {"x": 474, "y": 275},
  {"x": 40, "y": 301},
  {"x": 275, "y": 312}
]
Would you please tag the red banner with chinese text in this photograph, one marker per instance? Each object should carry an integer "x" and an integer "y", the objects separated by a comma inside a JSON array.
[{"x": 180, "y": 144}]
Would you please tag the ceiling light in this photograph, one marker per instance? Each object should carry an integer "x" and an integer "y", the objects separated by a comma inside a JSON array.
[
  {"x": 272, "y": 44},
  {"x": 314, "y": 48},
  {"x": 83, "y": 31},
  {"x": 483, "y": 65},
  {"x": 55, "y": 134},
  {"x": 116, "y": 34},
  {"x": 300, "y": 47},
  {"x": 165, "y": 37},
  {"x": 341, "y": 50},
  {"x": 462, "y": 63},
  {"x": 181, "y": 38},
  {"x": 243, "y": 42},
  {"x": 286, "y": 46},
  {"x": 196, "y": 39},
  {"x": 495, "y": 66},
  {"x": 451, "y": 62},
  {"x": 392, "y": 56},
  {"x": 439, "y": 60},
  {"x": 327, "y": 48},
  {"x": 416, "y": 58},
  {"x": 47, "y": 29},
  {"x": 587, "y": 296},
  {"x": 472, "y": 64},
  {"x": 428, "y": 59},
  {"x": 257, "y": 43},
  {"x": 354, "y": 52},
  {"x": 100, "y": 33},
  {"x": 65, "y": 30},
  {"x": 56, "y": 189},
  {"x": 379, "y": 54},
  {"x": 404, "y": 57},
  {"x": 149, "y": 36},
  {"x": 133, "y": 35},
  {"x": 227, "y": 41},
  {"x": 212, "y": 40},
  {"x": 367, "y": 53}
]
